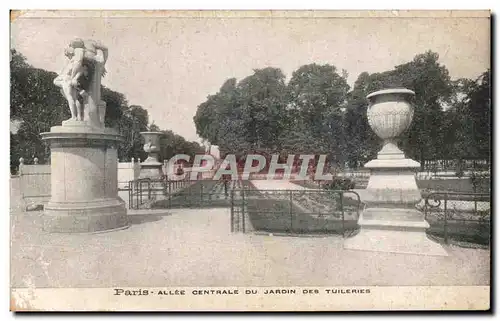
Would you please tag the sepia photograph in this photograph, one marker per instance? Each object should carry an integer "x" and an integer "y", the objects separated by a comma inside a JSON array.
[{"x": 232, "y": 160}]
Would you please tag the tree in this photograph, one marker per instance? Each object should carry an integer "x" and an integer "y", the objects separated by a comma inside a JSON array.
[
  {"x": 457, "y": 139},
  {"x": 317, "y": 97},
  {"x": 134, "y": 120},
  {"x": 172, "y": 144},
  {"x": 433, "y": 88},
  {"x": 263, "y": 114},
  {"x": 36, "y": 104},
  {"x": 470, "y": 118},
  {"x": 479, "y": 109},
  {"x": 245, "y": 116},
  {"x": 262, "y": 102},
  {"x": 116, "y": 105}
]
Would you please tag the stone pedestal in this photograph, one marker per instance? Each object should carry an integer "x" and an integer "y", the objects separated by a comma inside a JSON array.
[
  {"x": 84, "y": 181},
  {"x": 151, "y": 166},
  {"x": 151, "y": 169},
  {"x": 390, "y": 221}
]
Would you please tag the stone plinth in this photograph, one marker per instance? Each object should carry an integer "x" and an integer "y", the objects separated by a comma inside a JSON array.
[
  {"x": 84, "y": 180},
  {"x": 390, "y": 221},
  {"x": 151, "y": 169}
]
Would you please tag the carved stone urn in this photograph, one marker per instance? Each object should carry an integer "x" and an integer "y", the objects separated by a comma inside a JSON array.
[
  {"x": 151, "y": 166},
  {"x": 390, "y": 114},
  {"x": 391, "y": 222}
]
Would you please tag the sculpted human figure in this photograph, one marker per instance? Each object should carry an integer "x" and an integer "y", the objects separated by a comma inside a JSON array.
[
  {"x": 76, "y": 77},
  {"x": 67, "y": 80},
  {"x": 147, "y": 147},
  {"x": 94, "y": 50}
]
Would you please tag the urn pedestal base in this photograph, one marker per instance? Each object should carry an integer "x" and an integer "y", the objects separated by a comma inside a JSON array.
[
  {"x": 394, "y": 230},
  {"x": 390, "y": 221},
  {"x": 393, "y": 237},
  {"x": 84, "y": 182},
  {"x": 151, "y": 170}
]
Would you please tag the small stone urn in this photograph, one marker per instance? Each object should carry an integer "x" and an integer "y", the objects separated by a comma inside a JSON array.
[
  {"x": 390, "y": 221},
  {"x": 151, "y": 166}
]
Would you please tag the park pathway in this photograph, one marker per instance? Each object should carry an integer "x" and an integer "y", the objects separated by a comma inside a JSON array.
[{"x": 195, "y": 247}]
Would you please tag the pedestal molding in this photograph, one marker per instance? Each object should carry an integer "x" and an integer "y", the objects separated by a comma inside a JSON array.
[{"x": 392, "y": 164}]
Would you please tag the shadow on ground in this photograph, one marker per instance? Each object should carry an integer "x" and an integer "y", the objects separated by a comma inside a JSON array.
[{"x": 136, "y": 219}]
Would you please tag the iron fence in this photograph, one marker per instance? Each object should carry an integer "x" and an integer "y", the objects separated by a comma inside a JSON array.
[
  {"x": 295, "y": 211},
  {"x": 431, "y": 169},
  {"x": 459, "y": 216},
  {"x": 437, "y": 165},
  {"x": 161, "y": 193},
  {"x": 142, "y": 191}
]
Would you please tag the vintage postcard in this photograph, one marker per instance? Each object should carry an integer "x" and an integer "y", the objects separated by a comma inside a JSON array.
[{"x": 250, "y": 160}]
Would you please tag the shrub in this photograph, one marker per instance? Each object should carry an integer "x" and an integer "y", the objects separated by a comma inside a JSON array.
[{"x": 339, "y": 183}]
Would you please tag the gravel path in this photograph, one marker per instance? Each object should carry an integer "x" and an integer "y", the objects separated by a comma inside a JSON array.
[{"x": 194, "y": 247}]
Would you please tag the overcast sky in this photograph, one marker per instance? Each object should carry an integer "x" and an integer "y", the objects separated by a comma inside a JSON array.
[{"x": 170, "y": 65}]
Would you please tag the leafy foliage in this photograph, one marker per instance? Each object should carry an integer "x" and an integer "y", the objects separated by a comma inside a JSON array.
[
  {"x": 317, "y": 97},
  {"x": 173, "y": 144},
  {"x": 245, "y": 116},
  {"x": 37, "y": 104},
  {"x": 262, "y": 114}
]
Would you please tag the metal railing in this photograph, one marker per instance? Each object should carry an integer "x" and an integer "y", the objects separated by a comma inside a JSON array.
[
  {"x": 143, "y": 190},
  {"x": 439, "y": 165},
  {"x": 182, "y": 193},
  {"x": 136, "y": 190},
  {"x": 295, "y": 211},
  {"x": 459, "y": 216}
]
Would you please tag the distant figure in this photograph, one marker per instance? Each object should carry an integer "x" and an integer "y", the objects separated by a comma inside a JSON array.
[{"x": 226, "y": 178}]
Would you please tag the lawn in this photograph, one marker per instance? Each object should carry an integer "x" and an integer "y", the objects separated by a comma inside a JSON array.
[
  {"x": 300, "y": 212},
  {"x": 460, "y": 226}
]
